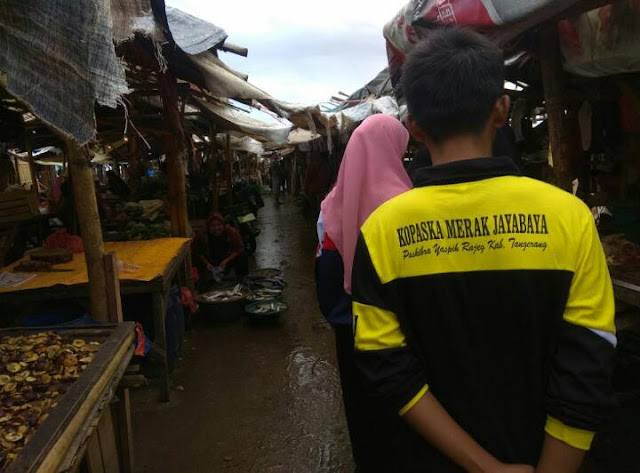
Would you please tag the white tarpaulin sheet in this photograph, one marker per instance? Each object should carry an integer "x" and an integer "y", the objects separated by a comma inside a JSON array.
[
  {"x": 248, "y": 120},
  {"x": 240, "y": 143},
  {"x": 223, "y": 83}
]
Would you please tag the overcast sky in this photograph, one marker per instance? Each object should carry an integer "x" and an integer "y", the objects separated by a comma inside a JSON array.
[{"x": 302, "y": 51}]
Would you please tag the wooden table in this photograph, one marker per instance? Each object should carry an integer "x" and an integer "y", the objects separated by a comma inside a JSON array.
[
  {"x": 626, "y": 284},
  {"x": 158, "y": 263},
  {"x": 83, "y": 415}
]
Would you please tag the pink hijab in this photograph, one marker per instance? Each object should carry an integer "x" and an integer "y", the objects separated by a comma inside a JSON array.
[{"x": 370, "y": 174}]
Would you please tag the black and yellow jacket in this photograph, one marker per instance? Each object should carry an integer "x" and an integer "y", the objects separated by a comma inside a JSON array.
[{"x": 490, "y": 290}]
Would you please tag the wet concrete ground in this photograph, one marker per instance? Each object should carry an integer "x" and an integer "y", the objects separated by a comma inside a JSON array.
[
  {"x": 249, "y": 399},
  {"x": 253, "y": 399}
]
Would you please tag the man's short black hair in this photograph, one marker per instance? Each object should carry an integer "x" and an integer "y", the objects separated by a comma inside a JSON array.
[{"x": 451, "y": 82}]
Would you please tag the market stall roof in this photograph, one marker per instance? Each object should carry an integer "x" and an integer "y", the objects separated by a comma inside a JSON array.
[
  {"x": 71, "y": 76},
  {"x": 222, "y": 82},
  {"x": 300, "y": 135},
  {"x": 240, "y": 143},
  {"x": 380, "y": 85},
  {"x": 246, "y": 119},
  {"x": 60, "y": 77},
  {"x": 191, "y": 34}
]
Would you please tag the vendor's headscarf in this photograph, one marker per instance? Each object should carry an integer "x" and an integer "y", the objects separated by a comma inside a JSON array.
[{"x": 370, "y": 174}]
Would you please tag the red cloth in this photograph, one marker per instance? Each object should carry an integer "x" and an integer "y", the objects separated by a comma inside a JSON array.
[
  {"x": 62, "y": 239},
  {"x": 188, "y": 300},
  {"x": 140, "y": 341},
  {"x": 328, "y": 244}
]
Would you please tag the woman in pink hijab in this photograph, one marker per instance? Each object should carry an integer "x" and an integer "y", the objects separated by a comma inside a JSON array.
[{"x": 371, "y": 173}]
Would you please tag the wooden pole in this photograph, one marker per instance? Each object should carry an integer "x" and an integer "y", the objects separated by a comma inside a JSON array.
[
  {"x": 32, "y": 165},
  {"x": 563, "y": 127},
  {"x": 174, "y": 149},
  {"x": 213, "y": 165},
  {"x": 84, "y": 196},
  {"x": 135, "y": 165},
  {"x": 229, "y": 170},
  {"x": 112, "y": 285}
]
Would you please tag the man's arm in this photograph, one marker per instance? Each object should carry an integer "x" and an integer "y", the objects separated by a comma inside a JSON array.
[
  {"x": 559, "y": 456},
  {"x": 580, "y": 396},
  {"x": 434, "y": 424},
  {"x": 396, "y": 377}
]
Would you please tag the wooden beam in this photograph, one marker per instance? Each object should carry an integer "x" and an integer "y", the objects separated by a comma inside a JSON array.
[
  {"x": 84, "y": 196},
  {"x": 112, "y": 284},
  {"x": 174, "y": 150},
  {"x": 234, "y": 49},
  {"x": 564, "y": 148},
  {"x": 125, "y": 431}
]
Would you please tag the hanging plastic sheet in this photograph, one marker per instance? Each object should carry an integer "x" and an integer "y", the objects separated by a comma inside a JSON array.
[
  {"x": 602, "y": 42},
  {"x": 502, "y": 19}
]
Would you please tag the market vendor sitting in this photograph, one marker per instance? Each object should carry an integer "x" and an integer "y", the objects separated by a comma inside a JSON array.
[{"x": 219, "y": 250}]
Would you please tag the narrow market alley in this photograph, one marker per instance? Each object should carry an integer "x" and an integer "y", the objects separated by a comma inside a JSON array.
[{"x": 253, "y": 399}]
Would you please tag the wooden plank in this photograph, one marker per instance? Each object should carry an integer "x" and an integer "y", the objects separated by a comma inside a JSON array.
[
  {"x": 78, "y": 447},
  {"x": 125, "y": 431},
  {"x": 108, "y": 446},
  {"x": 93, "y": 457},
  {"x": 160, "y": 331},
  {"x": 626, "y": 292},
  {"x": 105, "y": 330},
  {"x": 15, "y": 204}
]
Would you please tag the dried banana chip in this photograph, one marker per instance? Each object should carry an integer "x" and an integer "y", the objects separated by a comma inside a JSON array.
[{"x": 14, "y": 367}]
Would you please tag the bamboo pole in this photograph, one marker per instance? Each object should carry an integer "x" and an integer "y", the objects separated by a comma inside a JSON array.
[
  {"x": 174, "y": 148},
  {"x": 84, "y": 196},
  {"x": 564, "y": 148}
]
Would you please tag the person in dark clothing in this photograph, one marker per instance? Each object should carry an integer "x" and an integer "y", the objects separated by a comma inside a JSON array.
[
  {"x": 316, "y": 183},
  {"x": 482, "y": 303},
  {"x": 277, "y": 178},
  {"x": 371, "y": 172},
  {"x": 220, "y": 249}
]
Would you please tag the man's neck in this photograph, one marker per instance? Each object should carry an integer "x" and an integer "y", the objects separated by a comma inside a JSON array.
[{"x": 459, "y": 148}]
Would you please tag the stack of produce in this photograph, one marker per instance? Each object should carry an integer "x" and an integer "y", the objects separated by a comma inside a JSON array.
[
  {"x": 35, "y": 370},
  {"x": 620, "y": 251}
]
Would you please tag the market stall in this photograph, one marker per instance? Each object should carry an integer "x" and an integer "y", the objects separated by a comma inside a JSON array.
[
  {"x": 56, "y": 402},
  {"x": 145, "y": 267}
]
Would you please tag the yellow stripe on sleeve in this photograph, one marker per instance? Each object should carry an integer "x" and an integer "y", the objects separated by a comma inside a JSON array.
[
  {"x": 413, "y": 401},
  {"x": 577, "y": 438},
  {"x": 375, "y": 328}
]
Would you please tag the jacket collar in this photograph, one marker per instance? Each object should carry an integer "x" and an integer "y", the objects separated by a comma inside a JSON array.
[{"x": 468, "y": 170}]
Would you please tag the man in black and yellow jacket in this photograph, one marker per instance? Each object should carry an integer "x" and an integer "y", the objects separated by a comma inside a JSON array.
[{"x": 483, "y": 308}]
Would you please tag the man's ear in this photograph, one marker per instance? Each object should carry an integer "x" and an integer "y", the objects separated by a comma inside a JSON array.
[
  {"x": 500, "y": 113},
  {"x": 415, "y": 130}
]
